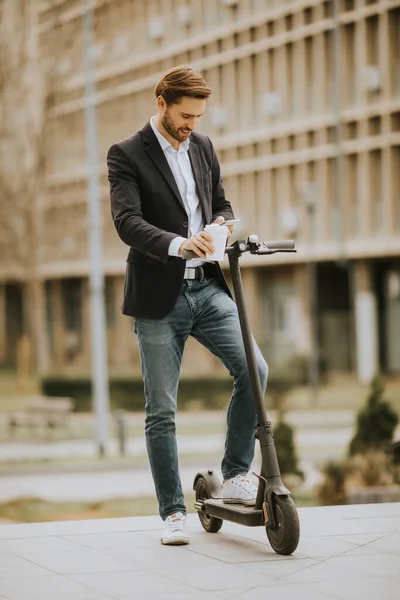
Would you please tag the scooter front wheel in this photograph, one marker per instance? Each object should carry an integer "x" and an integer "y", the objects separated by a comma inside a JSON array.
[
  {"x": 210, "y": 524},
  {"x": 285, "y": 537}
]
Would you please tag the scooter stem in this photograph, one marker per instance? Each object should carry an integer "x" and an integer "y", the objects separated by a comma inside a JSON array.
[
  {"x": 270, "y": 480},
  {"x": 247, "y": 336}
]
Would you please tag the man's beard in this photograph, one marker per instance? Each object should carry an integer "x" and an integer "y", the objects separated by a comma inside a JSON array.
[{"x": 169, "y": 127}]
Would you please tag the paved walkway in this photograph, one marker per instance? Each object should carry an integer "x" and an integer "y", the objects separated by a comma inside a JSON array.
[{"x": 345, "y": 553}]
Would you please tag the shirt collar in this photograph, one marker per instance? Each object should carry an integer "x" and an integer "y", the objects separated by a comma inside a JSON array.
[{"x": 164, "y": 143}]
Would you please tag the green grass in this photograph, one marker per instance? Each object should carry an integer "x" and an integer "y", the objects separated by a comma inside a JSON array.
[{"x": 36, "y": 510}]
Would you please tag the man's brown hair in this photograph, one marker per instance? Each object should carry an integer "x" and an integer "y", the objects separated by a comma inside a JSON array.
[{"x": 179, "y": 82}]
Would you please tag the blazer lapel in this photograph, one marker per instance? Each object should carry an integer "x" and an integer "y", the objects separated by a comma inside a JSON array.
[
  {"x": 198, "y": 177},
  {"x": 154, "y": 151}
]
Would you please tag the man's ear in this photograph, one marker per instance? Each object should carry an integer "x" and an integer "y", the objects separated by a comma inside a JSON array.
[{"x": 161, "y": 102}]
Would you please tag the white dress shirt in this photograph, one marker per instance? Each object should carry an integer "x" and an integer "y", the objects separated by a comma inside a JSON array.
[{"x": 181, "y": 168}]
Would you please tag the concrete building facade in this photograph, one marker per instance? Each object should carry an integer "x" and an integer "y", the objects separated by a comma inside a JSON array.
[{"x": 305, "y": 117}]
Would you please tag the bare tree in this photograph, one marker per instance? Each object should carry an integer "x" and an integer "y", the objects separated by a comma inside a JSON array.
[{"x": 25, "y": 88}]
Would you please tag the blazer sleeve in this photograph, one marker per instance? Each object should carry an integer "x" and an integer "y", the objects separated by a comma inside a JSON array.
[
  {"x": 126, "y": 208},
  {"x": 220, "y": 205}
]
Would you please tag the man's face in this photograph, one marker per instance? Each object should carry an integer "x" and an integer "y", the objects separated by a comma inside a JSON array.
[{"x": 179, "y": 120}]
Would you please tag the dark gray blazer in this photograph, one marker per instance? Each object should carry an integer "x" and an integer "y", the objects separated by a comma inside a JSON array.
[{"x": 148, "y": 213}]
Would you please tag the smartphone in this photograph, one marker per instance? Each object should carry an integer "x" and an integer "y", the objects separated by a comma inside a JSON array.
[{"x": 231, "y": 222}]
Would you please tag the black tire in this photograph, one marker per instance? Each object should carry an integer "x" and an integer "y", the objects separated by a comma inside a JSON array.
[
  {"x": 210, "y": 524},
  {"x": 285, "y": 538}
]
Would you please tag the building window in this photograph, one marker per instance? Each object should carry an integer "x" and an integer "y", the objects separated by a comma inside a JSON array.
[
  {"x": 72, "y": 311},
  {"x": 352, "y": 224},
  {"x": 50, "y": 314},
  {"x": 375, "y": 173},
  {"x": 394, "y": 50},
  {"x": 348, "y": 67},
  {"x": 309, "y": 83},
  {"x": 395, "y": 169}
]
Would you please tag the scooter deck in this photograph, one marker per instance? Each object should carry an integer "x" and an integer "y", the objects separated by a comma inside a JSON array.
[{"x": 238, "y": 513}]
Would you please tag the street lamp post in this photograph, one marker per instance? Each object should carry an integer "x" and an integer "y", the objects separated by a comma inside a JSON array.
[
  {"x": 97, "y": 310},
  {"x": 308, "y": 191}
]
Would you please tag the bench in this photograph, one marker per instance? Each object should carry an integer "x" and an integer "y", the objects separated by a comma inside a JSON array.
[{"x": 42, "y": 411}]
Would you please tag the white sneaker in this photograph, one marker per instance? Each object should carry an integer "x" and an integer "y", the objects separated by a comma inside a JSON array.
[
  {"x": 175, "y": 533},
  {"x": 239, "y": 490}
]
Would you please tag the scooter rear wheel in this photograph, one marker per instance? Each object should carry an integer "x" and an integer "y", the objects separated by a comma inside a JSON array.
[
  {"x": 210, "y": 524},
  {"x": 285, "y": 537}
]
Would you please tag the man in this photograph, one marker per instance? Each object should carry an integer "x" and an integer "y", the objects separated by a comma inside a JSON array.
[{"x": 165, "y": 187}]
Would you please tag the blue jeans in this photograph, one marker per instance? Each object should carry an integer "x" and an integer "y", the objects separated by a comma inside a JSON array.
[{"x": 205, "y": 311}]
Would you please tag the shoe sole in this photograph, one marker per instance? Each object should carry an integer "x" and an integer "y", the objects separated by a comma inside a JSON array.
[
  {"x": 179, "y": 542},
  {"x": 238, "y": 501}
]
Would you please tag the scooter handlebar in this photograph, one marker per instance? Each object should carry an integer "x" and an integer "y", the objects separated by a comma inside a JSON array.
[
  {"x": 263, "y": 248},
  {"x": 188, "y": 254},
  {"x": 280, "y": 245}
]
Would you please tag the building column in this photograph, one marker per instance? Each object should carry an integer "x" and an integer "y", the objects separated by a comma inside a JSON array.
[
  {"x": 301, "y": 319},
  {"x": 366, "y": 322}
]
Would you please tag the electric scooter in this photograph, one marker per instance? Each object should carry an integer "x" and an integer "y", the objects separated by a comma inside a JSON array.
[{"x": 274, "y": 508}]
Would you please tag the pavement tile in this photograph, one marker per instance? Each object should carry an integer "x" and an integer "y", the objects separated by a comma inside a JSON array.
[
  {"x": 141, "y": 551},
  {"x": 389, "y": 523},
  {"x": 367, "y": 550},
  {"x": 284, "y": 592},
  {"x": 309, "y": 546},
  {"x": 356, "y": 587},
  {"x": 230, "y": 549},
  {"x": 14, "y": 566},
  {"x": 228, "y": 594},
  {"x": 320, "y": 571},
  {"x": 123, "y": 584},
  {"x": 362, "y": 539},
  {"x": 219, "y": 576},
  {"x": 349, "y": 511},
  {"x": 255, "y": 534},
  {"x": 321, "y": 547},
  {"x": 345, "y": 527},
  {"x": 48, "y": 588},
  {"x": 57, "y": 528},
  {"x": 381, "y": 565},
  {"x": 388, "y": 543},
  {"x": 61, "y": 556},
  {"x": 279, "y": 568},
  {"x": 194, "y": 595}
]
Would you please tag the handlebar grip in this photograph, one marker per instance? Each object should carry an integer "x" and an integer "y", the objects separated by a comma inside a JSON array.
[
  {"x": 188, "y": 254},
  {"x": 281, "y": 245}
]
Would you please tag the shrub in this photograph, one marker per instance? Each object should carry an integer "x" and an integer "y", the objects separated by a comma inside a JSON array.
[
  {"x": 371, "y": 469},
  {"x": 210, "y": 393},
  {"x": 332, "y": 488},
  {"x": 285, "y": 449},
  {"x": 128, "y": 393},
  {"x": 376, "y": 422},
  {"x": 374, "y": 468}
]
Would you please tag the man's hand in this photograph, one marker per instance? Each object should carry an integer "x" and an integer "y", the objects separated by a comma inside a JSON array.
[{"x": 200, "y": 244}]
